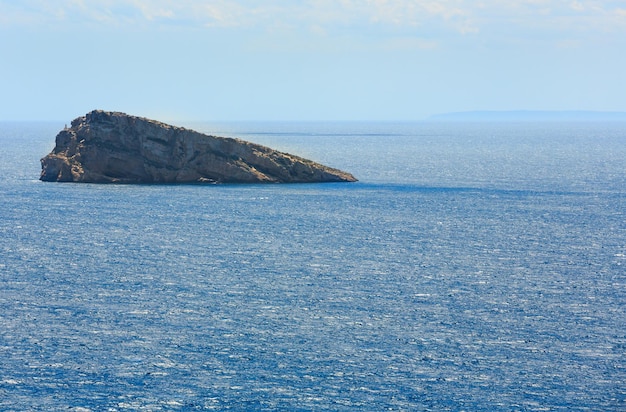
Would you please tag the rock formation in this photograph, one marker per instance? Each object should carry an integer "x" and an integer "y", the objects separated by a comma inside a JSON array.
[{"x": 112, "y": 147}]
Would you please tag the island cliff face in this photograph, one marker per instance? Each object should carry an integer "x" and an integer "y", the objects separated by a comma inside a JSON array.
[{"x": 113, "y": 147}]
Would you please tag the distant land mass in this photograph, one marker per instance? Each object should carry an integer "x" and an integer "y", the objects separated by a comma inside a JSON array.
[{"x": 530, "y": 116}]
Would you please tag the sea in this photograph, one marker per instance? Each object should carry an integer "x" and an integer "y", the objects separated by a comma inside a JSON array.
[{"x": 473, "y": 267}]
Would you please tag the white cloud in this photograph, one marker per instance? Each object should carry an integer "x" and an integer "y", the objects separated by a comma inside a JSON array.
[
  {"x": 151, "y": 13},
  {"x": 235, "y": 12},
  {"x": 421, "y": 19}
]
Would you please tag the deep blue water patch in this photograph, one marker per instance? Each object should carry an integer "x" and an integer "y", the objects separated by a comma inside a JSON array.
[{"x": 452, "y": 292}]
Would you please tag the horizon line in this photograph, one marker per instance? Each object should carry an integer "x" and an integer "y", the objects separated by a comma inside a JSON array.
[{"x": 468, "y": 115}]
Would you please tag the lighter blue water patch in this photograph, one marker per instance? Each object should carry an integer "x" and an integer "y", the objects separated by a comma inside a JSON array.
[{"x": 471, "y": 268}]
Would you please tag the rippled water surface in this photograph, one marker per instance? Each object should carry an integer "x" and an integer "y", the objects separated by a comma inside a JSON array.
[{"x": 472, "y": 267}]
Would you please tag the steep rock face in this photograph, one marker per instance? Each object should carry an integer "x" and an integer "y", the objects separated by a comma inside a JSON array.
[{"x": 113, "y": 147}]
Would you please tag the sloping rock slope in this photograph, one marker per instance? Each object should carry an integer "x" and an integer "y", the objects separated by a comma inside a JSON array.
[{"x": 113, "y": 147}]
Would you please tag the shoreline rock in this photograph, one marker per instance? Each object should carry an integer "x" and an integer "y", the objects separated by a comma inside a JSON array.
[{"x": 113, "y": 147}]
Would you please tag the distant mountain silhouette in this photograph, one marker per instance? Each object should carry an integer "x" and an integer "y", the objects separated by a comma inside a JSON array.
[{"x": 530, "y": 115}]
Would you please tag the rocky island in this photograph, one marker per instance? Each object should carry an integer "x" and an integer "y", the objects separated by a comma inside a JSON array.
[{"x": 113, "y": 147}]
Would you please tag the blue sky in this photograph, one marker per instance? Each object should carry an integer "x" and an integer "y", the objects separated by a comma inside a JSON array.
[{"x": 308, "y": 60}]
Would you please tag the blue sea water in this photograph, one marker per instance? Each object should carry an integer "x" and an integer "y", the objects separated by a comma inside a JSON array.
[{"x": 473, "y": 267}]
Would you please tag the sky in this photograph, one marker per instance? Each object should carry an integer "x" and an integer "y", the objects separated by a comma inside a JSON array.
[{"x": 309, "y": 60}]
